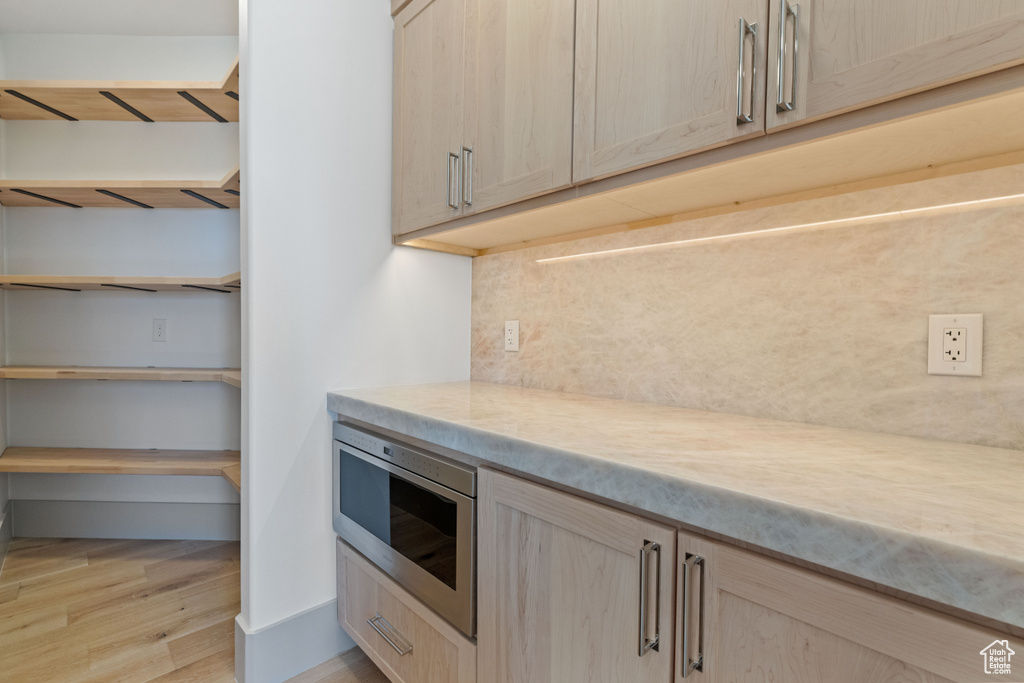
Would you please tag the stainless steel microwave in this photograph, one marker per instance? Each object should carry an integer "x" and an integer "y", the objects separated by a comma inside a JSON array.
[{"x": 411, "y": 513}]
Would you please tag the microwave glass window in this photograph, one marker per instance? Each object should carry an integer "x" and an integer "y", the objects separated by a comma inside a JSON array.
[
  {"x": 415, "y": 522},
  {"x": 365, "y": 495}
]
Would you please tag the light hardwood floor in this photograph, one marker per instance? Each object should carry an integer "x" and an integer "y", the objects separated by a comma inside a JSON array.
[
  {"x": 126, "y": 611},
  {"x": 92, "y": 610},
  {"x": 350, "y": 667}
]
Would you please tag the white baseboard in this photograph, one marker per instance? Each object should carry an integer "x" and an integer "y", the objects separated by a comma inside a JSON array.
[
  {"x": 280, "y": 651},
  {"x": 6, "y": 534},
  {"x": 104, "y": 519}
]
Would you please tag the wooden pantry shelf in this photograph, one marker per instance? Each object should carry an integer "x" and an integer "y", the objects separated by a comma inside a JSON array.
[
  {"x": 73, "y": 283},
  {"x": 145, "y": 194},
  {"x": 226, "y": 375},
  {"x": 118, "y": 461},
  {"x": 122, "y": 100},
  {"x": 233, "y": 473},
  {"x": 232, "y": 377}
]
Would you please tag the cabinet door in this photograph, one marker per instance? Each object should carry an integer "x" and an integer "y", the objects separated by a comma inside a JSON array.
[
  {"x": 766, "y": 620},
  {"x": 409, "y": 642},
  {"x": 856, "y": 53},
  {"x": 560, "y": 591},
  {"x": 427, "y": 113},
  {"x": 519, "y": 71},
  {"x": 656, "y": 80}
]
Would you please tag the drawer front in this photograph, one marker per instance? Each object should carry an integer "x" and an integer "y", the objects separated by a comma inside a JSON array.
[{"x": 408, "y": 641}]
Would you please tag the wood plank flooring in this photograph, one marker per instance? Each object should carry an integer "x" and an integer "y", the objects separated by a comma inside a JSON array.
[
  {"x": 125, "y": 611},
  {"x": 349, "y": 667},
  {"x": 118, "y": 611}
]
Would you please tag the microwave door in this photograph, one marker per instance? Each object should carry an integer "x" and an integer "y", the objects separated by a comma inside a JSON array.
[
  {"x": 419, "y": 532},
  {"x": 365, "y": 495}
]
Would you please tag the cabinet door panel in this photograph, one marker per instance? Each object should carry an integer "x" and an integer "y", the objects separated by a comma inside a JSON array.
[
  {"x": 772, "y": 643},
  {"x": 438, "y": 653},
  {"x": 519, "y": 76},
  {"x": 559, "y": 589},
  {"x": 770, "y": 621},
  {"x": 857, "y": 53},
  {"x": 427, "y": 111},
  {"x": 656, "y": 80}
]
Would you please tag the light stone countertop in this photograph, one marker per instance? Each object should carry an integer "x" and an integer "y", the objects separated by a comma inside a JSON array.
[{"x": 937, "y": 519}]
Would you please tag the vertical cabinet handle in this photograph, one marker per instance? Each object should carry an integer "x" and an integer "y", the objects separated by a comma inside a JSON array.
[
  {"x": 388, "y": 633},
  {"x": 646, "y": 642},
  {"x": 785, "y": 12},
  {"x": 695, "y": 663},
  {"x": 452, "y": 163},
  {"x": 467, "y": 176},
  {"x": 741, "y": 112}
]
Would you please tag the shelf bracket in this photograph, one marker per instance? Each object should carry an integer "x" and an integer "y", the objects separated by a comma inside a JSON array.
[
  {"x": 216, "y": 117},
  {"x": 124, "y": 105},
  {"x": 37, "y": 103},
  {"x": 124, "y": 199}
]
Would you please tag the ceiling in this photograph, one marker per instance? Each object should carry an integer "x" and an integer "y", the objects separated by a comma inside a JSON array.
[{"x": 121, "y": 17}]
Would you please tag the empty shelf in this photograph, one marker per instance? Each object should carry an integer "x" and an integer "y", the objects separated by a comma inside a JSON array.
[
  {"x": 73, "y": 283},
  {"x": 232, "y": 377},
  {"x": 117, "y": 461},
  {"x": 122, "y": 100},
  {"x": 233, "y": 473},
  {"x": 145, "y": 194},
  {"x": 227, "y": 376}
]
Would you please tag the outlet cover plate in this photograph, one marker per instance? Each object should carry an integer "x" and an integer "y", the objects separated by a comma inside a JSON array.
[
  {"x": 965, "y": 329},
  {"x": 511, "y": 335},
  {"x": 159, "y": 329}
]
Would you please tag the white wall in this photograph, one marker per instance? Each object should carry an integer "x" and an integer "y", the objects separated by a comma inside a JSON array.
[
  {"x": 122, "y": 57},
  {"x": 329, "y": 303},
  {"x": 115, "y": 328}
]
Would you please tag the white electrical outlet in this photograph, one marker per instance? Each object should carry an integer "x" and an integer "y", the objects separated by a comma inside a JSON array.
[
  {"x": 511, "y": 335},
  {"x": 159, "y": 329},
  {"x": 954, "y": 344}
]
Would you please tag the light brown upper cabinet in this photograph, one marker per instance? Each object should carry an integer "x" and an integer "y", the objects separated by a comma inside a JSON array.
[
  {"x": 853, "y": 54},
  {"x": 657, "y": 80},
  {"x": 482, "y": 106},
  {"x": 427, "y": 112},
  {"x": 570, "y": 591}
]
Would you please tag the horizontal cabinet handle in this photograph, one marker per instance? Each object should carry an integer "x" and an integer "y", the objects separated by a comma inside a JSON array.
[{"x": 388, "y": 633}]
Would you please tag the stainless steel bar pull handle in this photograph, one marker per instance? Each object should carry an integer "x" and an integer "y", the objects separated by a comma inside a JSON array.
[
  {"x": 646, "y": 642},
  {"x": 785, "y": 12},
  {"x": 692, "y": 663},
  {"x": 741, "y": 112},
  {"x": 467, "y": 176},
  {"x": 452, "y": 162},
  {"x": 388, "y": 633}
]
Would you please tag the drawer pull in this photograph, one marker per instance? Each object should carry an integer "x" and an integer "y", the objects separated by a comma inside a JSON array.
[
  {"x": 388, "y": 633},
  {"x": 746, "y": 29},
  {"x": 647, "y": 643},
  {"x": 453, "y": 168},
  {"x": 467, "y": 175},
  {"x": 692, "y": 663},
  {"x": 785, "y": 12}
]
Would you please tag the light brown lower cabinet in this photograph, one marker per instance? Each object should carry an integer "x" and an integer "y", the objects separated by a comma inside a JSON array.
[
  {"x": 563, "y": 582},
  {"x": 766, "y": 620},
  {"x": 570, "y": 591},
  {"x": 408, "y": 641}
]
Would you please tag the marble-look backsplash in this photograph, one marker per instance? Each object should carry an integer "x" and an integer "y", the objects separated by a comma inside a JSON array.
[{"x": 826, "y": 325}]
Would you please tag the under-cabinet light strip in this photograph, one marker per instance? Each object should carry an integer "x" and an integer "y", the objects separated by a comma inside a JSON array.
[{"x": 766, "y": 231}]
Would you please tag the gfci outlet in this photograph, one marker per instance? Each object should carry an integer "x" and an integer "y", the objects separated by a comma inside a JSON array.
[
  {"x": 511, "y": 335},
  {"x": 954, "y": 344}
]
